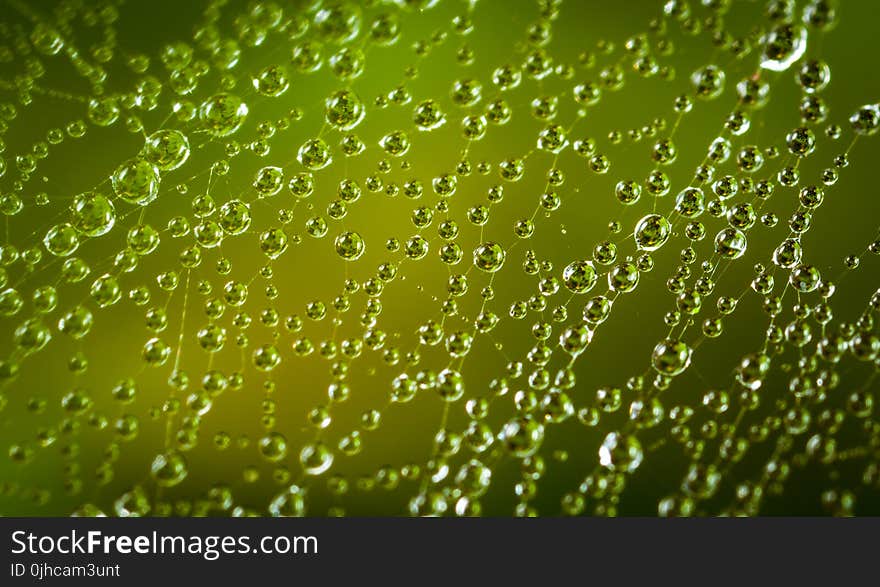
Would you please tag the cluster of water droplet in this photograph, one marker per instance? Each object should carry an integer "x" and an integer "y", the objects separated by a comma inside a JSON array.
[{"x": 460, "y": 305}]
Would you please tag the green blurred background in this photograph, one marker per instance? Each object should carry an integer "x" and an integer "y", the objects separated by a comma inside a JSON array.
[{"x": 310, "y": 270}]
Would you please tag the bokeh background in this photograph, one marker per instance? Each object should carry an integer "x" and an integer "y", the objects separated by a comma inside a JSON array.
[{"x": 60, "y": 477}]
